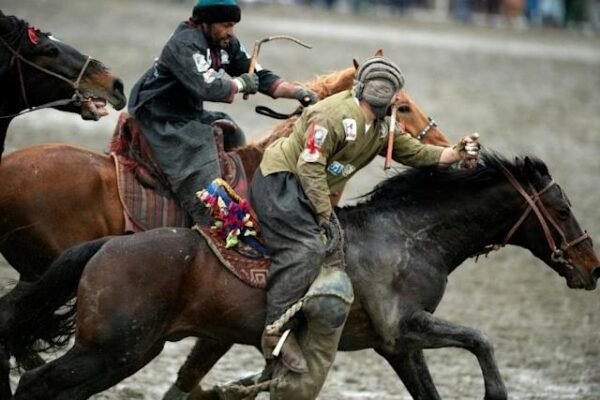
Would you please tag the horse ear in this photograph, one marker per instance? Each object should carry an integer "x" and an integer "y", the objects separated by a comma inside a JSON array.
[
  {"x": 355, "y": 63},
  {"x": 379, "y": 53}
]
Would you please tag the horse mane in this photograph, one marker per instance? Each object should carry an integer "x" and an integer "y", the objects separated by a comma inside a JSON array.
[
  {"x": 12, "y": 28},
  {"x": 425, "y": 186},
  {"x": 324, "y": 85}
]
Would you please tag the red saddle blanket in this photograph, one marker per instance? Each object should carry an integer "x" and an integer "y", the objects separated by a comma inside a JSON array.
[{"x": 148, "y": 204}]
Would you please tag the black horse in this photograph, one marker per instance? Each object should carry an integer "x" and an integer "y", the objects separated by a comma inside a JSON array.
[
  {"x": 136, "y": 292},
  {"x": 39, "y": 71}
]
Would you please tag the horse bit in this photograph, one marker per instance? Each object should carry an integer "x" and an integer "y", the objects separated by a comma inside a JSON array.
[
  {"x": 536, "y": 204},
  {"x": 77, "y": 97}
]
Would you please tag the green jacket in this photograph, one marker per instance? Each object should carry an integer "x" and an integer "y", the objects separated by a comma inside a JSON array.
[{"x": 329, "y": 144}]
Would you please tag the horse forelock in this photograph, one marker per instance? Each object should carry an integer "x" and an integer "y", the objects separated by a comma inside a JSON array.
[
  {"x": 12, "y": 29},
  {"x": 427, "y": 186}
]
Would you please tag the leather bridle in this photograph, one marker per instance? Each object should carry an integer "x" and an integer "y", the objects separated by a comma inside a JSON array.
[
  {"x": 77, "y": 97},
  {"x": 423, "y": 132},
  {"x": 534, "y": 202}
]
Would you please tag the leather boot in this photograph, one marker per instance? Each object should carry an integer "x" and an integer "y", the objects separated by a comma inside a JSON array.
[{"x": 291, "y": 355}]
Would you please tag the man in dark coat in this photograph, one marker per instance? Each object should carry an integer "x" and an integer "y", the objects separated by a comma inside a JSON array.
[{"x": 196, "y": 65}]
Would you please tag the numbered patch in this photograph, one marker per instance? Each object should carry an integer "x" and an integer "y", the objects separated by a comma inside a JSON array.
[
  {"x": 335, "y": 168},
  {"x": 350, "y": 129}
]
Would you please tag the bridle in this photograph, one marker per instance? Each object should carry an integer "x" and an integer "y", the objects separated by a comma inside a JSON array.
[
  {"x": 77, "y": 97},
  {"x": 423, "y": 132},
  {"x": 534, "y": 202}
]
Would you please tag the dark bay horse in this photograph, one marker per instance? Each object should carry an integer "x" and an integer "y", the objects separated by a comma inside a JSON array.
[
  {"x": 39, "y": 71},
  {"x": 136, "y": 292},
  {"x": 57, "y": 195}
]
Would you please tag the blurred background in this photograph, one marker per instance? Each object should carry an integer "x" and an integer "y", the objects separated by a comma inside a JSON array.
[{"x": 525, "y": 74}]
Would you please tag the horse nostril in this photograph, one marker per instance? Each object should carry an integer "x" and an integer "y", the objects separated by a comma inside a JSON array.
[
  {"x": 118, "y": 86},
  {"x": 596, "y": 273}
]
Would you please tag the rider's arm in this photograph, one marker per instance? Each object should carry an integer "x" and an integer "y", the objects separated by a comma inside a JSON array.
[{"x": 319, "y": 144}]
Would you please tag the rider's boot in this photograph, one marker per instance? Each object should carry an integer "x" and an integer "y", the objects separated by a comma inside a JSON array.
[{"x": 286, "y": 347}]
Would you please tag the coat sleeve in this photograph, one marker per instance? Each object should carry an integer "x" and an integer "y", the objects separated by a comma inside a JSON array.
[
  {"x": 240, "y": 63},
  {"x": 409, "y": 151},
  {"x": 187, "y": 63},
  {"x": 320, "y": 143}
]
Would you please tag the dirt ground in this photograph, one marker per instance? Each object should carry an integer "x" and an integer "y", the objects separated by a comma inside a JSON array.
[{"x": 525, "y": 92}]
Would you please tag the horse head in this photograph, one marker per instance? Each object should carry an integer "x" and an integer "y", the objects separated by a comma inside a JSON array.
[
  {"x": 548, "y": 227},
  {"x": 42, "y": 71}
]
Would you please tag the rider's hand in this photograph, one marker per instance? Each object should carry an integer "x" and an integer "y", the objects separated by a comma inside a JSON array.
[
  {"x": 305, "y": 96},
  {"x": 468, "y": 148},
  {"x": 247, "y": 83}
]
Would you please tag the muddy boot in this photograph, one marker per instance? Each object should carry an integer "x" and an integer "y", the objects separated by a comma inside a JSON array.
[
  {"x": 284, "y": 346},
  {"x": 326, "y": 308}
]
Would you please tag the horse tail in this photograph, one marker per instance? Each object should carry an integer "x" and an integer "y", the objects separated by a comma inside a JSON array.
[{"x": 38, "y": 316}]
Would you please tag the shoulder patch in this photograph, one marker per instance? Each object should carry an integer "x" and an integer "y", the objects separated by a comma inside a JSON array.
[
  {"x": 350, "y": 129},
  {"x": 202, "y": 64},
  {"x": 320, "y": 135},
  {"x": 335, "y": 168}
]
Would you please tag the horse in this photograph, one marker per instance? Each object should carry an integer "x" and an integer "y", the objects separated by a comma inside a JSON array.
[
  {"x": 39, "y": 71},
  {"x": 57, "y": 195},
  {"x": 403, "y": 239}
]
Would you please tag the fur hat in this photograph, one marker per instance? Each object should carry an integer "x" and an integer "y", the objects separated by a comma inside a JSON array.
[{"x": 211, "y": 11}]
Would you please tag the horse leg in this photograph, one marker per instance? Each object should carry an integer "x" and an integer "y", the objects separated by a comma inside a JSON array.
[
  {"x": 412, "y": 369},
  {"x": 82, "y": 372},
  {"x": 199, "y": 362},
  {"x": 424, "y": 331}
]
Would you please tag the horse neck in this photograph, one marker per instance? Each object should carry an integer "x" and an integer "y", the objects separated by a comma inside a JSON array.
[{"x": 445, "y": 233}]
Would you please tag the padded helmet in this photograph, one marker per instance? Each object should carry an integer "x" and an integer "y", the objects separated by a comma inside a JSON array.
[{"x": 377, "y": 79}]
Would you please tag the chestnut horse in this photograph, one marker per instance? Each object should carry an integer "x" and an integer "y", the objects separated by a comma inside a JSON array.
[
  {"x": 57, "y": 195},
  {"x": 39, "y": 71},
  {"x": 136, "y": 292}
]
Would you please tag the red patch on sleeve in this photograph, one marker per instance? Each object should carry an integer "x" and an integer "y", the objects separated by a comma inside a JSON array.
[
  {"x": 32, "y": 33},
  {"x": 310, "y": 140}
]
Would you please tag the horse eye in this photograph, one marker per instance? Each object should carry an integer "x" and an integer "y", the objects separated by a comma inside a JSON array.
[
  {"x": 564, "y": 213},
  {"x": 404, "y": 109}
]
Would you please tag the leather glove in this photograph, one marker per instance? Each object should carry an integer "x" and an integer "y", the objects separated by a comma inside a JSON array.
[
  {"x": 247, "y": 83},
  {"x": 305, "y": 96}
]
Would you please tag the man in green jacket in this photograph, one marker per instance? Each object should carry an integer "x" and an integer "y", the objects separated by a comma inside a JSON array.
[{"x": 331, "y": 141}]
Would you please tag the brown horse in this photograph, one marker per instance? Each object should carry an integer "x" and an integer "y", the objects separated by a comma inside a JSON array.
[
  {"x": 137, "y": 292},
  {"x": 57, "y": 195},
  {"x": 38, "y": 71}
]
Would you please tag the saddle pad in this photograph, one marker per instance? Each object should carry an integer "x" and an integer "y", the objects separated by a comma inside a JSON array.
[
  {"x": 249, "y": 270},
  {"x": 143, "y": 208}
]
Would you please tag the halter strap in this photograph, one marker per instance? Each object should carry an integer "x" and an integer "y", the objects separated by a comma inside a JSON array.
[
  {"x": 535, "y": 203},
  {"x": 76, "y": 98},
  {"x": 423, "y": 132}
]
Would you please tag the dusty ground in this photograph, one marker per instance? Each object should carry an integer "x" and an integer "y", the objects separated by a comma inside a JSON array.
[{"x": 526, "y": 92}]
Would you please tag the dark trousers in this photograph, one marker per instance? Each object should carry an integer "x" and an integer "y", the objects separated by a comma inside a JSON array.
[
  {"x": 186, "y": 152},
  {"x": 290, "y": 229}
]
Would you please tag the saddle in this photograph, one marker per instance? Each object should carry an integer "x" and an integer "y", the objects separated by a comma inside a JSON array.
[{"x": 148, "y": 201}]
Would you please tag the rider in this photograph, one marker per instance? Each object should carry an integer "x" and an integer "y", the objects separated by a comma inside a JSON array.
[
  {"x": 167, "y": 100},
  {"x": 291, "y": 189}
]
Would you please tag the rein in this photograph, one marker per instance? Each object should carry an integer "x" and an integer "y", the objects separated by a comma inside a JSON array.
[
  {"x": 76, "y": 99},
  {"x": 535, "y": 203}
]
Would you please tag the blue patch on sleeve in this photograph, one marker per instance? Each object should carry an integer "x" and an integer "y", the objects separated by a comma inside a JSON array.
[{"x": 335, "y": 168}]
